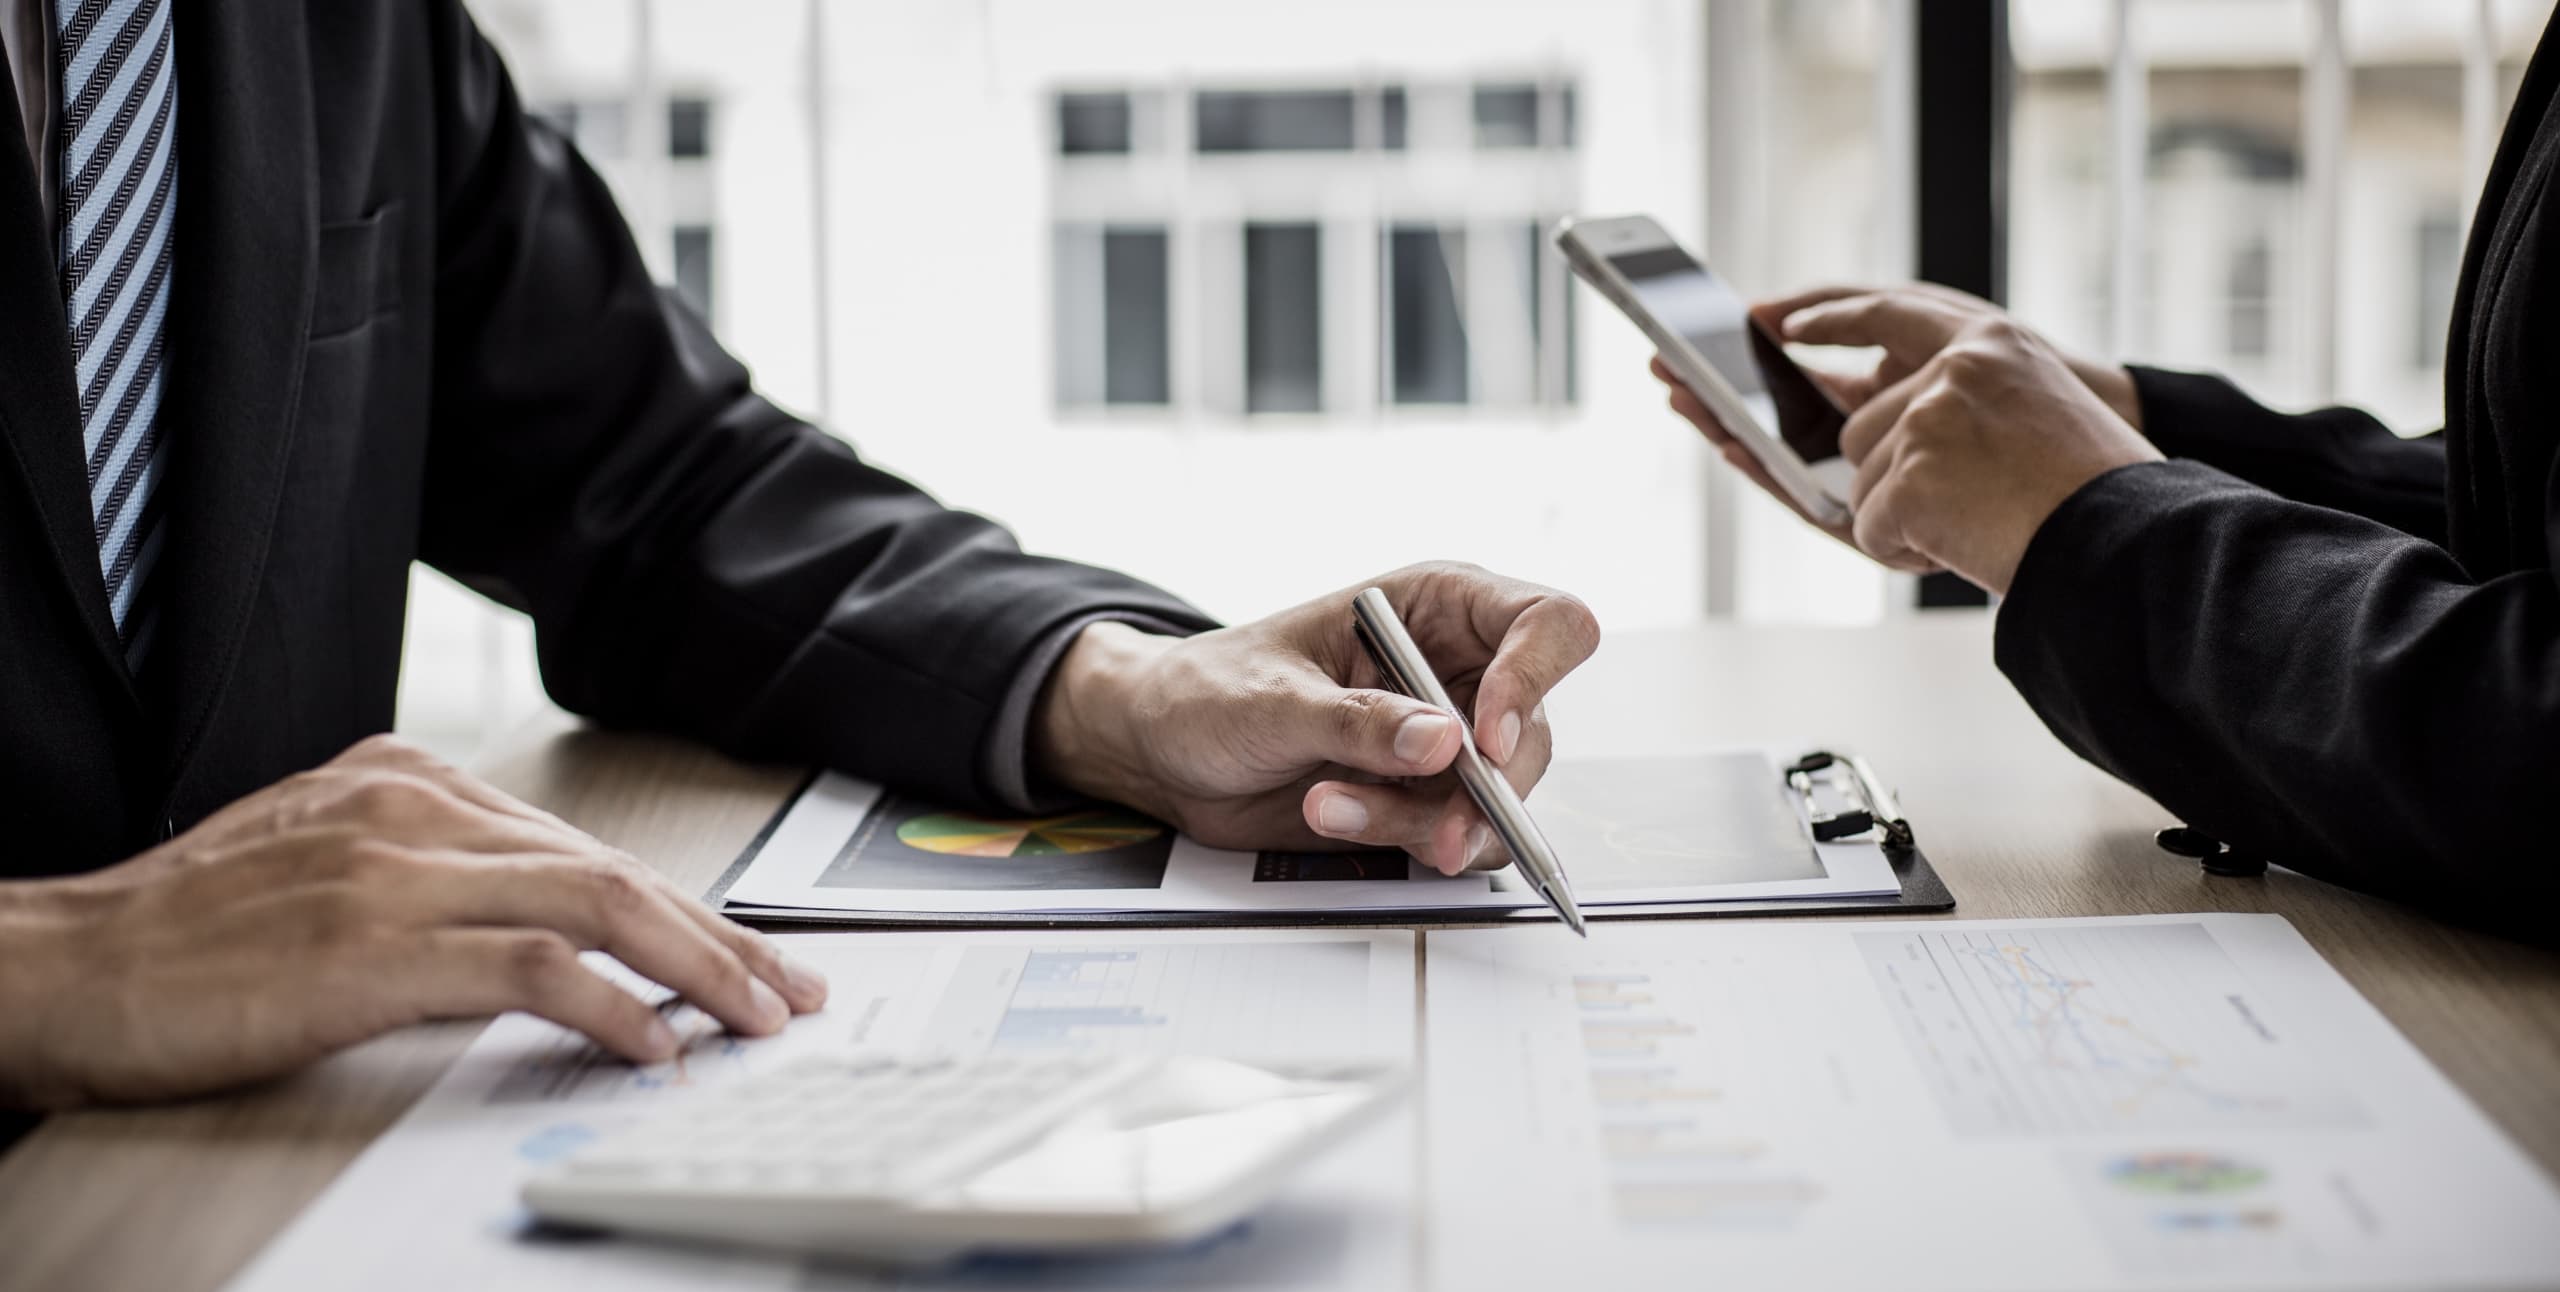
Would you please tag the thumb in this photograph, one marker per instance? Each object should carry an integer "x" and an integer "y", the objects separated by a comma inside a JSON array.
[{"x": 1378, "y": 732}]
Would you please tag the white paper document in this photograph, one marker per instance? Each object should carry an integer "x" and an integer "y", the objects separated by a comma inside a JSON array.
[
  {"x": 1712, "y": 827},
  {"x": 433, "y": 1203},
  {"x": 2173, "y": 1101}
]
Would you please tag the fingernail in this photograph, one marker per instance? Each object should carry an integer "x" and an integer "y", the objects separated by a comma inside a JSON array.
[
  {"x": 1341, "y": 814},
  {"x": 1510, "y": 735},
  {"x": 1477, "y": 840},
  {"x": 768, "y": 1003},
  {"x": 807, "y": 983},
  {"x": 661, "y": 1039},
  {"x": 1421, "y": 734}
]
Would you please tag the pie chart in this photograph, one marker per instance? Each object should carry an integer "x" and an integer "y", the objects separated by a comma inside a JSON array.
[{"x": 961, "y": 835}]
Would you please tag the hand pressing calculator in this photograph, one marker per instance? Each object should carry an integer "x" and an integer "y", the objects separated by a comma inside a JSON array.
[{"x": 919, "y": 1160}]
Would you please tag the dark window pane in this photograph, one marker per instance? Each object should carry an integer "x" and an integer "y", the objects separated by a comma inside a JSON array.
[
  {"x": 693, "y": 266},
  {"x": 1391, "y": 117},
  {"x": 1093, "y": 123},
  {"x": 688, "y": 128},
  {"x": 1534, "y": 285},
  {"x": 1272, "y": 120},
  {"x": 1427, "y": 334},
  {"x": 2439, "y": 259},
  {"x": 1571, "y": 116},
  {"x": 599, "y": 130},
  {"x": 562, "y": 117},
  {"x": 2252, "y": 275},
  {"x": 1572, "y": 347},
  {"x": 1136, "y": 368},
  {"x": 1506, "y": 116},
  {"x": 1283, "y": 365}
]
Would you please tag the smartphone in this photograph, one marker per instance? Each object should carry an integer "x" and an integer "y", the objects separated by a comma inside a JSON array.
[{"x": 1707, "y": 336}]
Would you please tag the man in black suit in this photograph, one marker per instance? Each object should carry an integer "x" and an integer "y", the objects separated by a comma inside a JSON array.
[
  {"x": 2322, "y": 644},
  {"x": 292, "y": 293}
]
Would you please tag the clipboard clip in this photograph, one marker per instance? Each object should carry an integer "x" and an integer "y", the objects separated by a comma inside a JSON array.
[{"x": 1876, "y": 808}]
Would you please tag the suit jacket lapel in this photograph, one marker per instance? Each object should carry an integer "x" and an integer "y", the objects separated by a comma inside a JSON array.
[
  {"x": 39, "y": 395},
  {"x": 240, "y": 308}
]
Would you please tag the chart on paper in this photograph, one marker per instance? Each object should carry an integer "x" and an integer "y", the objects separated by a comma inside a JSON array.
[
  {"x": 1265, "y": 999},
  {"x": 2190, "y": 1101},
  {"x": 1682, "y": 1144},
  {"x": 2145, "y": 1028}
]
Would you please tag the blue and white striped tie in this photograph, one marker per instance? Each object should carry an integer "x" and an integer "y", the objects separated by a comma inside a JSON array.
[{"x": 119, "y": 192}]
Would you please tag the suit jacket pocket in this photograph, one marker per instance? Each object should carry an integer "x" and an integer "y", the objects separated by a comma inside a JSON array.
[{"x": 359, "y": 272}]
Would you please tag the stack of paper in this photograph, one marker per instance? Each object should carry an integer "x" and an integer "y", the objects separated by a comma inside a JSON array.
[{"x": 1631, "y": 833}]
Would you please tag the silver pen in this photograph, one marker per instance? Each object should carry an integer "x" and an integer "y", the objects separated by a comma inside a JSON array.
[{"x": 1405, "y": 670}]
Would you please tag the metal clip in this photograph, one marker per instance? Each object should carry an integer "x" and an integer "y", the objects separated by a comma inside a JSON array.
[{"x": 1876, "y": 809}]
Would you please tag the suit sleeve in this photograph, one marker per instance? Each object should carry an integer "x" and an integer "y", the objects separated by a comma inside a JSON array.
[
  {"x": 696, "y": 560},
  {"x": 2313, "y": 686},
  {"x": 2331, "y": 457}
]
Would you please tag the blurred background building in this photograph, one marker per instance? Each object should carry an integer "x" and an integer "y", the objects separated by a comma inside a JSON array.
[{"x": 1255, "y": 300}]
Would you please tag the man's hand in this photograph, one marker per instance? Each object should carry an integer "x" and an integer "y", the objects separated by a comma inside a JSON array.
[
  {"x": 1276, "y": 734},
  {"x": 1930, "y": 317},
  {"x": 381, "y": 889},
  {"x": 1960, "y": 462},
  {"x": 1968, "y": 431}
]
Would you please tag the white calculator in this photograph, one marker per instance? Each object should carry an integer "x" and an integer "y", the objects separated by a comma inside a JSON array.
[{"x": 920, "y": 1160}]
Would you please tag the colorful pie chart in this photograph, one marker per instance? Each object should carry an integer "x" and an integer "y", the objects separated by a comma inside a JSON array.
[{"x": 960, "y": 835}]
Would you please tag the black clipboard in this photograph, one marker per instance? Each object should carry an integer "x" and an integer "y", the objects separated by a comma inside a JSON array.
[{"x": 1923, "y": 892}]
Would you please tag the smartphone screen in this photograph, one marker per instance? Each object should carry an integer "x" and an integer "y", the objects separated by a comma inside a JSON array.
[{"x": 1682, "y": 295}]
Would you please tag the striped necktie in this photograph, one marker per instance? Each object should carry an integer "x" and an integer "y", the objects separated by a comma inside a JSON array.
[{"x": 119, "y": 87}]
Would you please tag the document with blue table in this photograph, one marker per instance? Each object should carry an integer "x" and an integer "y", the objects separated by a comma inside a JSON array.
[
  {"x": 434, "y": 1203},
  {"x": 2167, "y": 1102}
]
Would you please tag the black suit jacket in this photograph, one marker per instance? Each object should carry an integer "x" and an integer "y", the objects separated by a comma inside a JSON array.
[
  {"x": 2327, "y": 645},
  {"x": 407, "y": 323}
]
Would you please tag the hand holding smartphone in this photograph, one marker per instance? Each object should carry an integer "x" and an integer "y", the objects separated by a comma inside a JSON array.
[{"x": 1705, "y": 332}]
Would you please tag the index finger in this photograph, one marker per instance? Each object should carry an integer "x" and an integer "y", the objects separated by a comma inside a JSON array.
[
  {"x": 1774, "y": 310},
  {"x": 1548, "y": 639},
  {"x": 1910, "y": 327}
]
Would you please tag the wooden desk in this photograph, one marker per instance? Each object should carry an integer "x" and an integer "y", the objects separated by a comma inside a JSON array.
[{"x": 179, "y": 1198}]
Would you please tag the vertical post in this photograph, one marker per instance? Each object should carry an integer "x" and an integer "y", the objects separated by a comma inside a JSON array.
[
  {"x": 821, "y": 234},
  {"x": 1897, "y": 189},
  {"x": 1962, "y": 116},
  {"x": 645, "y": 134},
  {"x": 2480, "y": 93},
  {"x": 1897, "y": 139},
  {"x": 1737, "y": 40},
  {"x": 2324, "y": 150},
  {"x": 2129, "y": 154}
]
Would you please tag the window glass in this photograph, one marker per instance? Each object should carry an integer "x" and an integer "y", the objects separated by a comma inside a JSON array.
[
  {"x": 2439, "y": 261},
  {"x": 1506, "y": 116},
  {"x": 693, "y": 266},
  {"x": 1283, "y": 318},
  {"x": 1136, "y": 369},
  {"x": 1228, "y": 121},
  {"x": 1093, "y": 123},
  {"x": 688, "y": 127},
  {"x": 1391, "y": 118},
  {"x": 2250, "y": 304},
  {"x": 1426, "y": 327}
]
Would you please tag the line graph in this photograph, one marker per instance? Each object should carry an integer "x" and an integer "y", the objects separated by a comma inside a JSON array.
[{"x": 2068, "y": 1030}]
